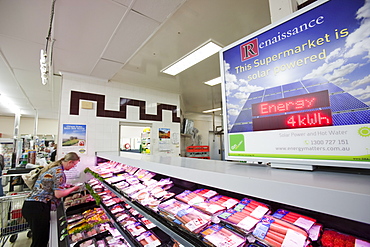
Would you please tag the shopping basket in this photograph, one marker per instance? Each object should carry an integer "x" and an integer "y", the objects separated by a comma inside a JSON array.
[{"x": 11, "y": 220}]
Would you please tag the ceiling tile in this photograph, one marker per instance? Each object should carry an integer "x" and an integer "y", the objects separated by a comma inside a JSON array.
[
  {"x": 86, "y": 25},
  {"x": 21, "y": 53},
  {"x": 158, "y": 10},
  {"x": 133, "y": 32},
  {"x": 106, "y": 69},
  {"x": 21, "y": 13},
  {"x": 123, "y": 2}
]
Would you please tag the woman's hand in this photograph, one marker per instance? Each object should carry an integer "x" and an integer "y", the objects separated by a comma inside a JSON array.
[{"x": 65, "y": 192}]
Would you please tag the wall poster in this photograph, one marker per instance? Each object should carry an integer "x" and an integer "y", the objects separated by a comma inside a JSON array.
[
  {"x": 74, "y": 138},
  {"x": 164, "y": 135},
  {"x": 298, "y": 91}
]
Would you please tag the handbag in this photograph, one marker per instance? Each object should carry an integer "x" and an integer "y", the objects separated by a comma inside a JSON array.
[{"x": 31, "y": 177}]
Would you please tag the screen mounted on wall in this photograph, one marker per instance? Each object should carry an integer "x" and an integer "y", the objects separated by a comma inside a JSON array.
[{"x": 298, "y": 91}]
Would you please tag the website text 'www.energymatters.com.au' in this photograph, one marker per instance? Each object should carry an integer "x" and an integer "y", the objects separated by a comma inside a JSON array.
[{"x": 300, "y": 149}]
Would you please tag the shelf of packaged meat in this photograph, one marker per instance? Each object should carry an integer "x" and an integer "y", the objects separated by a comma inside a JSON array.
[
  {"x": 344, "y": 195},
  {"x": 196, "y": 214}
]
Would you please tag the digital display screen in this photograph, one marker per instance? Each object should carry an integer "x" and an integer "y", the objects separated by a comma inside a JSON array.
[
  {"x": 290, "y": 104},
  {"x": 298, "y": 91},
  {"x": 297, "y": 120}
]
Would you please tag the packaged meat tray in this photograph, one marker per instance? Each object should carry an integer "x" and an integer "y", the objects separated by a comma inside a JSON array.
[
  {"x": 333, "y": 238},
  {"x": 276, "y": 233},
  {"x": 147, "y": 223},
  {"x": 209, "y": 207},
  {"x": 192, "y": 219},
  {"x": 115, "y": 179},
  {"x": 135, "y": 229},
  {"x": 219, "y": 236},
  {"x": 148, "y": 239},
  {"x": 245, "y": 215},
  {"x": 294, "y": 218},
  {"x": 225, "y": 201},
  {"x": 206, "y": 193},
  {"x": 143, "y": 174},
  {"x": 241, "y": 221},
  {"x": 74, "y": 238},
  {"x": 170, "y": 208},
  {"x": 190, "y": 197}
]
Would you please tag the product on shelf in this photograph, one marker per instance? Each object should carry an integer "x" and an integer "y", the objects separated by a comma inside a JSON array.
[
  {"x": 294, "y": 218},
  {"x": 315, "y": 231},
  {"x": 147, "y": 223},
  {"x": 122, "y": 216},
  {"x": 113, "y": 201},
  {"x": 171, "y": 207},
  {"x": 135, "y": 229},
  {"x": 209, "y": 207},
  {"x": 276, "y": 232},
  {"x": 77, "y": 199},
  {"x": 115, "y": 179},
  {"x": 190, "y": 197},
  {"x": 193, "y": 210},
  {"x": 206, "y": 193},
  {"x": 90, "y": 218},
  {"x": 333, "y": 238},
  {"x": 148, "y": 239},
  {"x": 131, "y": 169},
  {"x": 245, "y": 215},
  {"x": 192, "y": 219},
  {"x": 74, "y": 217},
  {"x": 240, "y": 220},
  {"x": 133, "y": 189},
  {"x": 225, "y": 201},
  {"x": 76, "y": 237},
  {"x": 128, "y": 221},
  {"x": 219, "y": 236},
  {"x": 117, "y": 209},
  {"x": 144, "y": 174},
  {"x": 121, "y": 185},
  {"x": 116, "y": 242}
]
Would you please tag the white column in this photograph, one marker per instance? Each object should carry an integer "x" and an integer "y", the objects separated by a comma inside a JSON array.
[
  {"x": 281, "y": 8},
  {"x": 17, "y": 138}
]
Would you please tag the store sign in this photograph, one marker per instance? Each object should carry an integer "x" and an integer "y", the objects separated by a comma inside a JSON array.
[{"x": 298, "y": 91}]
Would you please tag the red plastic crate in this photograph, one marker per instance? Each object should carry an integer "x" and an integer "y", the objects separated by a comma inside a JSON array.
[
  {"x": 16, "y": 214},
  {"x": 195, "y": 149}
]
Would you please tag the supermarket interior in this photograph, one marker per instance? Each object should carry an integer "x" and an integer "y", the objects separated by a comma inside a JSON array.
[{"x": 195, "y": 123}]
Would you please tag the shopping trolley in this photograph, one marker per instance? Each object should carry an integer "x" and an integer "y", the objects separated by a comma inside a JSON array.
[{"x": 11, "y": 220}]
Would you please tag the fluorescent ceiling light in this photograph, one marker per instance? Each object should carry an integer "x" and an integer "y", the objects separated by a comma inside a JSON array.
[
  {"x": 214, "y": 81},
  {"x": 202, "y": 52},
  {"x": 212, "y": 110}
]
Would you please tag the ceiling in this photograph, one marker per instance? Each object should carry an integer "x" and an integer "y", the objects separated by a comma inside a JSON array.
[{"x": 127, "y": 41}]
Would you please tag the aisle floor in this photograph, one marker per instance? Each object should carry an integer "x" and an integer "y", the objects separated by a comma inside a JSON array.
[{"x": 22, "y": 241}]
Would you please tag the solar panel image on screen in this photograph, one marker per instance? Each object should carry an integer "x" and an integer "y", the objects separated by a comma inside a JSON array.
[
  {"x": 345, "y": 109},
  {"x": 295, "y": 92},
  {"x": 273, "y": 90}
]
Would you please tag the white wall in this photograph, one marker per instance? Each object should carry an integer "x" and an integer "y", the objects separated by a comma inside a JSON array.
[
  {"x": 204, "y": 123},
  {"x": 103, "y": 132},
  {"x": 27, "y": 125}
]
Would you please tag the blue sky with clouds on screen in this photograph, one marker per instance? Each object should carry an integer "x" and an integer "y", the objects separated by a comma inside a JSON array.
[{"x": 336, "y": 48}]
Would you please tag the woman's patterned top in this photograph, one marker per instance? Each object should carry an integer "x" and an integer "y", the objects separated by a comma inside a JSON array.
[{"x": 49, "y": 181}]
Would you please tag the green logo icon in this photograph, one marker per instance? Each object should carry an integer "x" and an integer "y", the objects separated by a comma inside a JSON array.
[
  {"x": 364, "y": 131},
  {"x": 237, "y": 143}
]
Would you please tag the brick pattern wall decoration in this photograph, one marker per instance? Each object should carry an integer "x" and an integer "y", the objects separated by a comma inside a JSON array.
[{"x": 76, "y": 96}]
